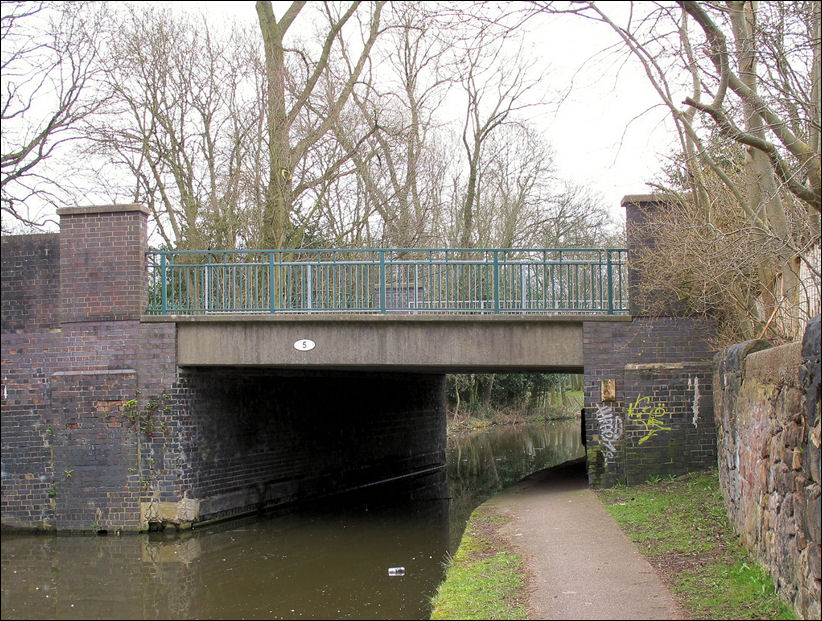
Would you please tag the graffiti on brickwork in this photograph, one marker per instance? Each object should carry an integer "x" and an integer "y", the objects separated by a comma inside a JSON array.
[
  {"x": 693, "y": 384},
  {"x": 647, "y": 415},
  {"x": 610, "y": 430}
]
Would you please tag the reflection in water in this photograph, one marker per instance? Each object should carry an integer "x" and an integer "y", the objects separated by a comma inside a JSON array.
[
  {"x": 322, "y": 562},
  {"x": 483, "y": 463}
]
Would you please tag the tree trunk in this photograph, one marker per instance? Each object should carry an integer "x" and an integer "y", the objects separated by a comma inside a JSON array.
[
  {"x": 762, "y": 191},
  {"x": 278, "y": 199}
]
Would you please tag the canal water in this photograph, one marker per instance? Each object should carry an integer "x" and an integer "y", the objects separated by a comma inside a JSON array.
[{"x": 325, "y": 561}]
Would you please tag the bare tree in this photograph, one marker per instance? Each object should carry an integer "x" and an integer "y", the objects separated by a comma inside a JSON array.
[
  {"x": 524, "y": 204},
  {"x": 183, "y": 120},
  {"x": 746, "y": 73},
  {"x": 296, "y": 122},
  {"x": 49, "y": 86},
  {"x": 400, "y": 169},
  {"x": 496, "y": 88},
  {"x": 576, "y": 217}
]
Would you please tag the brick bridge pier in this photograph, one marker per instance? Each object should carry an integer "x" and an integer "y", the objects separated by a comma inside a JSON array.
[{"x": 114, "y": 420}]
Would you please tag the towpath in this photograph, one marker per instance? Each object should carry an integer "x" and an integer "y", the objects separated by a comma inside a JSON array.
[{"x": 581, "y": 564}]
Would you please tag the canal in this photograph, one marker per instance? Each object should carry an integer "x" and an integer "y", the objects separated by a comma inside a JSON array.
[{"x": 328, "y": 560}]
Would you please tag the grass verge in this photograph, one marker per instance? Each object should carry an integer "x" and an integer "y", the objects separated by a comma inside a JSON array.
[
  {"x": 484, "y": 580},
  {"x": 681, "y": 526}
]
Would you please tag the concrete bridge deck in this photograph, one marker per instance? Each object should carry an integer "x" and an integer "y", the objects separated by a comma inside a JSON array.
[{"x": 412, "y": 343}]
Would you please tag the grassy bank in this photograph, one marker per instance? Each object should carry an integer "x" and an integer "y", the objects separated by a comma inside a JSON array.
[
  {"x": 484, "y": 580},
  {"x": 678, "y": 524},
  {"x": 681, "y": 527}
]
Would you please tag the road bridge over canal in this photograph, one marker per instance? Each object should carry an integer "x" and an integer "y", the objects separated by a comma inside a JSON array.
[
  {"x": 442, "y": 310},
  {"x": 145, "y": 388}
]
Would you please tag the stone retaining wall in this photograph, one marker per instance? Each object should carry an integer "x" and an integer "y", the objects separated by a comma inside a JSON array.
[{"x": 766, "y": 404}]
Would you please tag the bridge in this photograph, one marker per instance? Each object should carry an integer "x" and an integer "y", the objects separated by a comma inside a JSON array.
[
  {"x": 179, "y": 387},
  {"x": 444, "y": 310}
]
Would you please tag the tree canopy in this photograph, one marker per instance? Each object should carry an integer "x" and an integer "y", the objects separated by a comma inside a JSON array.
[
  {"x": 740, "y": 239},
  {"x": 324, "y": 124}
]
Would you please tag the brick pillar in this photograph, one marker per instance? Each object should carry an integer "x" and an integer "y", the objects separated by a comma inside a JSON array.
[
  {"x": 648, "y": 383},
  {"x": 102, "y": 266},
  {"x": 640, "y": 210}
]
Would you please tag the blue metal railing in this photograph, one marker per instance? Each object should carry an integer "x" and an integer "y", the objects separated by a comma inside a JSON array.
[{"x": 498, "y": 281}]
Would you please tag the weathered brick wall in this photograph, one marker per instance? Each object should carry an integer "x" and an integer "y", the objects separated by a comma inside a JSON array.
[
  {"x": 71, "y": 358},
  {"x": 63, "y": 395},
  {"x": 768, "y": 423},
  {"x": 27, "y": 472},
  {"x": 659, "y": 419},
  {"x": 92, "y": 449},
  {"x": 31, "y": 282},
  {"x": 102, "y": 267}
]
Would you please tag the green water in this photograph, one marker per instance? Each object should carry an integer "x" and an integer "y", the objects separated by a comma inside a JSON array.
[{"x": 325, "y": 561}]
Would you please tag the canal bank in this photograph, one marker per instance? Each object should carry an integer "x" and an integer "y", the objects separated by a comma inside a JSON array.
[
  {"x": 679, "y": 524},
  {"x": 579, "y": 564}
]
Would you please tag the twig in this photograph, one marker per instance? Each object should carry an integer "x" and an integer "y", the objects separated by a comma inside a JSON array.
[{"x": 773, "y": 314}]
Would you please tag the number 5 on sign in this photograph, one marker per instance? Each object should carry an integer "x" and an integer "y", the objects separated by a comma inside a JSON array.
[{"x": 304, "y": 345}]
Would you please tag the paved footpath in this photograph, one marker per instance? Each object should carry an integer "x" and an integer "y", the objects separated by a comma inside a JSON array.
[{"x": 582, "y": 565}]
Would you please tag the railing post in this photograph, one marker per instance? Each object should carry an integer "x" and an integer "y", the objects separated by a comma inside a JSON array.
[
  {"x": 610, "y": 283},
  {"x": 164, "y": 293},
  {"x": 416, "y": 287},
  {"x": 496, "y": 282},
  {"x": 271, "y": 285},
  {"x": 310, "y": 285},
  {"x": 206, "y": 285},
  {"x": 522, "y": 284},
  {"x": 382, "y": 282},
  {"x": 562, "y": 284}
]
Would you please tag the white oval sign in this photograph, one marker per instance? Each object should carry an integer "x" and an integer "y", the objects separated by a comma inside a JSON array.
[{"x": 304, "y": 345}]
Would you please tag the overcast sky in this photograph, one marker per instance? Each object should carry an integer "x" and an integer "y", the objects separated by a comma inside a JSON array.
[
  {"x": 610, "y": 131},
  {"x": 603, "y": 135}
]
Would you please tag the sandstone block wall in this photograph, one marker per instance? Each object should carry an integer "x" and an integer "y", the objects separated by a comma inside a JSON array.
[{"x": 768, "y": 426}]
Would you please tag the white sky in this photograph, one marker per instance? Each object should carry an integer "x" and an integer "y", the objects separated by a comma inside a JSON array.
[
  {"x": 609, "y": 132},
  {"x": 588, "y": 132}
]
